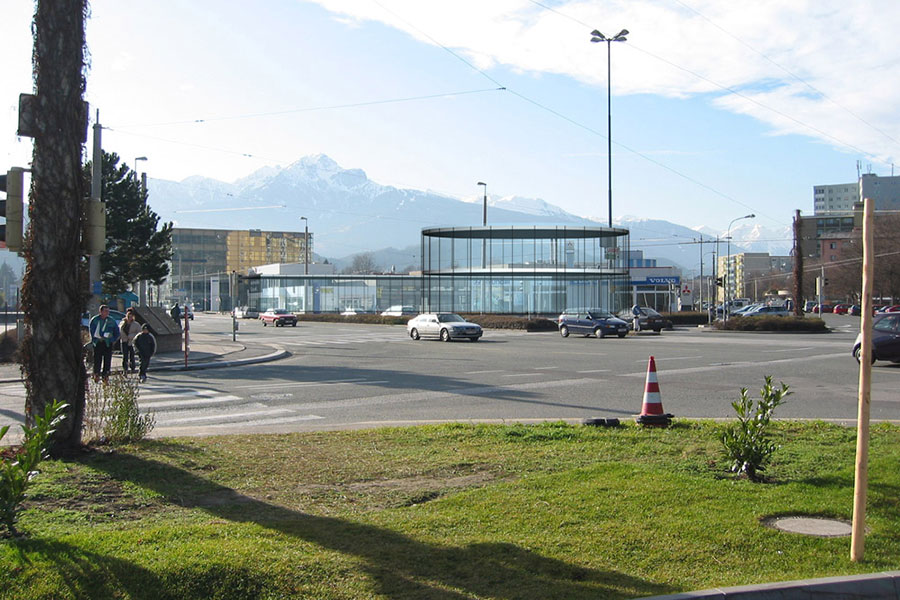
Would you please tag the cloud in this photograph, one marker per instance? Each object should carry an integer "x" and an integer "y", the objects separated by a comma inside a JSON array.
[{"x": 825, "y": 69}]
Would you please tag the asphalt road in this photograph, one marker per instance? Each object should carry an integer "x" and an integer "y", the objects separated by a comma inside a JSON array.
[{"x": 349, "y": 375}]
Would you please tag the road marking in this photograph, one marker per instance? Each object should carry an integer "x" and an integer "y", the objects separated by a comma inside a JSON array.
[
  {"x": 668, "y": 358},
  {"x": 186, "y": 403},
  {"x": 219, "y": 417},
  {"x": 595, "y": 371},
  {"x": 302, "y": 383},
  {"x": 544, "y": 368},
  {"x": 521, "y": 374},
  {"x": 790, "y": 349},
  {"x": 488, "y": 371},
  {"x": 741, "y": 364}
]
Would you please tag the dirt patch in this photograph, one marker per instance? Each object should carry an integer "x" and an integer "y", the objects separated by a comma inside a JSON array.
[{"x": 98, "y": 497}]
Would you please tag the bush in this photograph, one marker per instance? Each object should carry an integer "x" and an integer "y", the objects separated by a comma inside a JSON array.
[
  {"x": 687, "y": 318},
  {"x": 746, "y": 443},
  {"x": 771, "y": 324},
  {"x": 111, "y": 413},
  {"x": 9, "y": 346},
  {"x": 17, "y": 469}
]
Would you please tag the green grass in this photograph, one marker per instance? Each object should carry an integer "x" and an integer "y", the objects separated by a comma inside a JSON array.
[{"x": 452, "y": 511}]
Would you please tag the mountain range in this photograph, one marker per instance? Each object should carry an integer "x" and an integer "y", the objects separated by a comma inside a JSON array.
[{"x": 348, "y": 214}]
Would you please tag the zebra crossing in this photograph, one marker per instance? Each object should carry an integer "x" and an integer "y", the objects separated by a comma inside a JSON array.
[{"x": 182, "y": 406}]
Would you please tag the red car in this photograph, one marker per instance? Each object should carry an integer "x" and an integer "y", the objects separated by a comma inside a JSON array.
[
  {"x": 841, "y": 309},
  {"x": 825, "y": 308},
  {"x": 278, "y": 317},
  {"x": 894, "y": 308}
]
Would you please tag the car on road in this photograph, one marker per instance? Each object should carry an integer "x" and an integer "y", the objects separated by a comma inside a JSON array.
[
  {"x": 885, "y": 338},
  {"x": 399, "y": 311},
  {"x": 766, "y": 311},
  {"x": 591, "y": 321},
  {"x": 446, "y": 326},
  {"x": 279, "y": 317},
  {"x": 648, "y": 319},
  {"x": 246, "y": 312}
]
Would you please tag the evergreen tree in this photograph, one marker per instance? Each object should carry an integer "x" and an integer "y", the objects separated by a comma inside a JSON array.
[{"x": 136, "y": 249}]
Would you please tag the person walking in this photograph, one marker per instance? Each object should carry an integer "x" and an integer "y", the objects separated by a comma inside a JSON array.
[
  {"x": 129, "y": 329},
  {"x": 104, "y": 334},
  {"x": 175, "y": 313},
  {"x": 636, "y": 311},
  {"x": 145, "y": 344}
]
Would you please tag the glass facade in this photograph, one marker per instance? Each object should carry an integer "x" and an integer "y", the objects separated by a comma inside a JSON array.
[{"x": 499, "y": 270}]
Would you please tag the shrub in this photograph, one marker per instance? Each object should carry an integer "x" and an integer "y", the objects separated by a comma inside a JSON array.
[
  {"x": 771, "y": 324},
  {"x": 746, "y": 442},
  {"x": 17, "y": 470},
  {"x": 111, "y": 413},
  {"x": 9, "y": 345},
  {"x": 687, "y": 318}
]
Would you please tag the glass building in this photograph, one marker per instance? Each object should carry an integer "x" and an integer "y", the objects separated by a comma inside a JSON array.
[{"x": 521, "y": 270}]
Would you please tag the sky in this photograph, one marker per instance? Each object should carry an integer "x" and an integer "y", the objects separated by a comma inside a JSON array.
[{"x": 719, "y": 108}]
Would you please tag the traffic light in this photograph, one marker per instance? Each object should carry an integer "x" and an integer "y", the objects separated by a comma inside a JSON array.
[
  {"x": 720, "y": 282},
  {"x": 11, "y": 232}
]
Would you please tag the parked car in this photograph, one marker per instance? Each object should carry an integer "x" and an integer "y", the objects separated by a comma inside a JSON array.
[
  {"x": 591, "y": 321},
  {"x": 649, "y": 319},
  {"x": 399, "y": 311},
  {"x": 894, "y": 308},
  {"x": 825, "y": 308},
  {"x": 841, "y": 309},
  {"x": 246, "y": 312},
  {"x": 762, "y": 310},
  {"x": 278, "y": 317},
  {"x": 809, "y": 305},
  {"x": 446, "y": 326},
  {"x": 744, "y": 309},
  {"x": 854, "y": 310},
  {"x": 885, "y": 338}
]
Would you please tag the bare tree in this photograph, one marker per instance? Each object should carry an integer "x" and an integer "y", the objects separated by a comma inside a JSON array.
[
  {"x": 54, "y": 286},
  {"x": 363, "y": 262}
]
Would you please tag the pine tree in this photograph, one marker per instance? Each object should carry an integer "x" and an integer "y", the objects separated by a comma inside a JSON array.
[{"x": 135, "y": 248}]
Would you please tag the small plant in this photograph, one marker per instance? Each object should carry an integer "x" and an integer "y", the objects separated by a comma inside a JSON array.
[
  {"x": 746, "y": 442},
  {"x": 111, "y": 413},
  {"x": 17, "y": 470}
]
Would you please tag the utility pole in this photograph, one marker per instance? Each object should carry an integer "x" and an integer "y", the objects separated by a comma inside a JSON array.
[
  {"x": 97, "y": 203},
  {"x": 798, "y": 267}
]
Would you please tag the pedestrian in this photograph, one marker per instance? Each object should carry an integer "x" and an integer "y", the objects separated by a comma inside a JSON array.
[
  {"x": 145, "y": 344},
  {"x": 175, "y": 313},
  {"x": 129, "y": 329},
  {"x": 636, "y": 311},
  {"x": 104, "y": 334}
]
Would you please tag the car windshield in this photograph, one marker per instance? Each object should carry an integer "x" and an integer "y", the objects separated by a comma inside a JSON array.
[
  {"x": 598, "y": 313},
  {"x": 649, "y": 312},
  {"x": 451, "y": 318}
]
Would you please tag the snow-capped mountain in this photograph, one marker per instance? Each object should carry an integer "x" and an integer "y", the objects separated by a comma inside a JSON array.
[{"x": 348, "y": 213}]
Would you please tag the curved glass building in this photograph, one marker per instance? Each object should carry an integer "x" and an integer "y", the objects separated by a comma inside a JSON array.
[{"x": 524, "y": 269}]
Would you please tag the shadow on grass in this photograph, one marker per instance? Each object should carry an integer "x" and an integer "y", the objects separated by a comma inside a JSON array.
[{"x": 398, "y": 566}]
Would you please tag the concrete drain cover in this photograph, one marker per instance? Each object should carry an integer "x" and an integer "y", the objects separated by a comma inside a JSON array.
[{"x": 817, "y": 526}]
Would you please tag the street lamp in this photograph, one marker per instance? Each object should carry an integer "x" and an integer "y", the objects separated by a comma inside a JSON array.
[
  {"x": 306, "y": 243},
  {"x": 728, "y": 267},
  {"x": 139, "y": 158},
  {"x": 484, "y": 216},
  {"x": 599, "y": 37}
]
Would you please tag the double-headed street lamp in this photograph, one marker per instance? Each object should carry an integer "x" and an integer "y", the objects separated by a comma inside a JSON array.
[
  {"x": 728, "y": 267},
  {"x": 599, "y": 37}
]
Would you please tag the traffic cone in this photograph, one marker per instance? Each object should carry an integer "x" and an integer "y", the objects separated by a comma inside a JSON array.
[{"x": 652, "y": 413}]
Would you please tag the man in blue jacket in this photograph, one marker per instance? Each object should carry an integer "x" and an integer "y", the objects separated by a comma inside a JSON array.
[{"x": 104, "y": 333}]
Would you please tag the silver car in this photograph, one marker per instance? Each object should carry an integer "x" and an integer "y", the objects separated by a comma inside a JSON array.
[{"x": 446, "y": 326}]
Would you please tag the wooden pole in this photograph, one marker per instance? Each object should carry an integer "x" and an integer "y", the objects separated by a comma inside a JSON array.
[{"x": 861, "y": 482}]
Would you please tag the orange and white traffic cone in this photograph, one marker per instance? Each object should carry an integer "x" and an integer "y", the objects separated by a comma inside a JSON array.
[{"x": 652, "y": 410}]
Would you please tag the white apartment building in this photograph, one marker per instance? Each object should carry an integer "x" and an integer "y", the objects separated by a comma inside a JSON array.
[{"x": 834, "y": 199}]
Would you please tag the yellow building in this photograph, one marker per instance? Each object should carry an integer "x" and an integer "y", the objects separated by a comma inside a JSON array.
[{"x": 202, "y": 256}]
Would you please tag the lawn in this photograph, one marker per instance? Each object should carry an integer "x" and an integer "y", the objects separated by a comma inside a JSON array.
[{"x": 450, "y": 511}]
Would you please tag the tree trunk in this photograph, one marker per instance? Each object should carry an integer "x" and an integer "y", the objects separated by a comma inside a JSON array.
[{"x": 54, "y": 290}]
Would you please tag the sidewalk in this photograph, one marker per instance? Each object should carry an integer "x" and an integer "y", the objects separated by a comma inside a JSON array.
[{"x": 207, "y": 351}]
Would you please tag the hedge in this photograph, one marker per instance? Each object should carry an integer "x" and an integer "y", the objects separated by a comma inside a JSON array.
[
  {"x": 486, "y": 321},
  {"x": 771, "y": 324}
]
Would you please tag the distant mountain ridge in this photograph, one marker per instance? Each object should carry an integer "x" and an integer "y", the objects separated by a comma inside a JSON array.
[{"x": 348, "y": 213}]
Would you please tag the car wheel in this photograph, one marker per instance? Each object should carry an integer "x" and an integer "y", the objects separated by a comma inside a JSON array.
[
  {"x": 857, "y": 352},
  {"x": 265, "y": 324},
  {"x": 658, "y": 330},
  {"x": 414, "y": 333},
  {"x": 599, "y": 333},
  {"x": 621, "y": 335},
  {"x": 445, "y": 335},
  {"x": 294, "y": 324},
  {"x": 474, "y": 339},
  {"x": 564, "y": 331}
]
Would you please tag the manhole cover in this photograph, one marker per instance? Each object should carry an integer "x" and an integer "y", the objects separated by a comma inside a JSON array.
[{"x": 817, "y": 526}]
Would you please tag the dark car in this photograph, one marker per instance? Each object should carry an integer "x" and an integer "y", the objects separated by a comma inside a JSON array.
[
  {"x": 278, "y": 317},
  {"x": 885, "y": 338},
  {"x": 649, "y": 319},
  {"x": 591, "y": 321}
]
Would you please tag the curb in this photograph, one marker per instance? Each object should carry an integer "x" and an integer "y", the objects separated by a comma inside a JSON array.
[
  {"x": 277, "y": 355},
  {"x": 875, "y": 586}
]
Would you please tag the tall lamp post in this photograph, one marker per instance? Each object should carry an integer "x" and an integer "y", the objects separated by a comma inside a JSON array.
[
  {"x": 599, "y": 37},
  {"x": 142, "y": 286},
  {"x": 306, "y": 244},
  {"x": 728, "y": 267},
  {"x": 484, "y": 223}
]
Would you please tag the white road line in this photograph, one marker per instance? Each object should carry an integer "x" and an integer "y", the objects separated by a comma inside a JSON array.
[
  {"x": 301, "y": 383},
  {"x": 595, "y": 371},
  {"x": 188, "y": 403},
  {"x": 181, "y": 392},
  {"x": 219, "y": 417},
  {"x": 488, "y": 371},
  {"x": 544, "y": 368},
  {"x": 741, "y": 364},
  {"x": 521, "y": 374}
]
